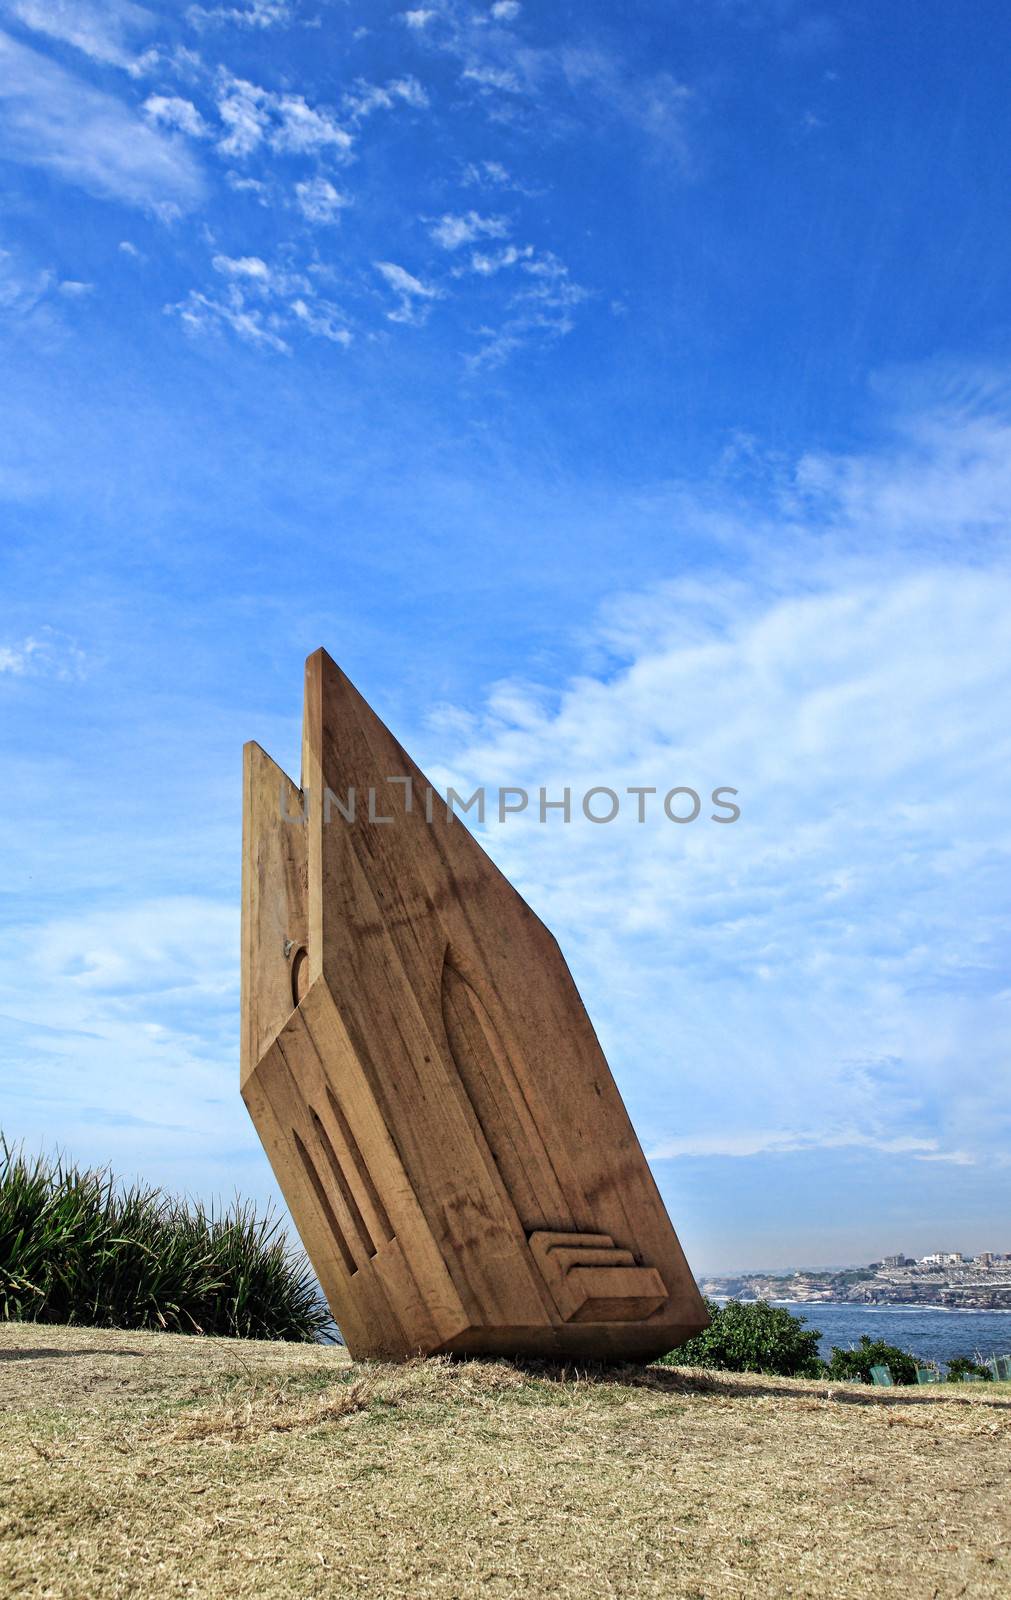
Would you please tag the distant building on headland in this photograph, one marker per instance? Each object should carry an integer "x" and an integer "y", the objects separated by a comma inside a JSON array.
[{"x": 945, "y": 1278}]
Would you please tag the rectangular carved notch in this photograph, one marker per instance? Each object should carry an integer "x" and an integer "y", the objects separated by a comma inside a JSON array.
[{"x": 592, "y": 1280}]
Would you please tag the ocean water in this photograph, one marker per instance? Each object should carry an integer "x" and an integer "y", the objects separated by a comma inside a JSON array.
[{"x": 927, "y": 1332}]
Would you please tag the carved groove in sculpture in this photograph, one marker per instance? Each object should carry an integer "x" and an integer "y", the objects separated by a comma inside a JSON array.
[{"x": 426, "y": 1082}]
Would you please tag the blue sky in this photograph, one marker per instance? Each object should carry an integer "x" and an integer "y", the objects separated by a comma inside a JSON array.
[{"x": 622, "y": 396}]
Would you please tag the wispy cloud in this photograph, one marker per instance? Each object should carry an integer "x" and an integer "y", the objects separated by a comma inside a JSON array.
[
  {"x": 101, "y": 29},
  {"x": 171, "y": 111},
  {"x": 324, "y": 319},
  {"x": 242, "y": 183},
  {"x": 365, "y": 98},
  {"x": 451, "y": 231},
  {"x": 487, "y": 263},
  {"x": 169, "y": 61},
  {"x": 487, "y": 76},
  {"x": 414, "y": 298},
  {"x": 540, "y": 311},
  {"x": 598, "y": 85},
  {"x": 656, "y": 103},
  {"x": 32, "y": 301},
  {"x": 21, "y": 289},
  {"x": 51, "y": 119},
  {"x": 783, "y": 1141},
  {"x": 495, "y": 175},
  {"x": 201, "y": 313},
  {"x": 263, "y": 305},
  {"x": 254, "y": 14},
  {"x": 47, "y": 653},
  {"x": 319, "y": 201}
]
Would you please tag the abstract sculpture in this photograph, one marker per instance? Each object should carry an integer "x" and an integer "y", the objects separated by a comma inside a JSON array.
[{"x": 424, "y": 1078}]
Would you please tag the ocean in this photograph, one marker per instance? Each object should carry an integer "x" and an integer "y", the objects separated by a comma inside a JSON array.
[
  {"x": 927, "y": 1332},
  {"x": 923, "y": 1331}
]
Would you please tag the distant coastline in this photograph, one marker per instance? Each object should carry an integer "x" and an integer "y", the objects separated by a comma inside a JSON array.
[
  {"x": 873, "y": 1305},
  {"x": 944, "y": 1281}
]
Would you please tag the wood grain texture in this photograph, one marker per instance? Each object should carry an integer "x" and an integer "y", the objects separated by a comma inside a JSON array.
[{"x": 424, "y": 1077}]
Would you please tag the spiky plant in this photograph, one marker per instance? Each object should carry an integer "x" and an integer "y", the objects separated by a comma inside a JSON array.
[{"x": 78, "y": 1246}]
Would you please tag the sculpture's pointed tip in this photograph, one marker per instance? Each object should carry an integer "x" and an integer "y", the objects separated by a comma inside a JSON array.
[{"x": 321, "y": 655}]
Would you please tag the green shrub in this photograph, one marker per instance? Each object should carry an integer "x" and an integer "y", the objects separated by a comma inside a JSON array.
[
  {"x": 753, "y": 1337},
  {"x": 872, "y": 1353},
  {"x": 961, "y": 1366},
  {"x": 76, "y": 1246}
]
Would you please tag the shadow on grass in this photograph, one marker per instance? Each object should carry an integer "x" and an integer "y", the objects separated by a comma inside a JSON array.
[
  {"x": 48, "y": 1355},
  {"x": 757, "y": 1385}
]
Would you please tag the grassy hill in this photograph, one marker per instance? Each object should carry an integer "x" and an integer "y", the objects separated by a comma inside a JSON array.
[{"x": 135, "y": 1464}]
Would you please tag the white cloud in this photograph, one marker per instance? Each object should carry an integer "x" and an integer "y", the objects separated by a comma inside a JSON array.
[
  {"x": 12, "y": 661},
  {"x": 657, "y": 103},
  {"x": 950, "y": 471},
  {"x": 491, "y": 77},
  {"x": 506, "y": 10},
  {"x": 255, "y": 275},
  {"x": 165, "y": 945},
  {"x": 414, "y": 297},
  {"x": 21, "y": 288},
  {"x": 50, "y": 119},
  {"x": 301, "y": 127},
  {"x": 255, "y": 14},
  {"x": 252, "y": 268},
  {"x": 784, "y": 1141},
  {"x": 494, "y": 175},
  {"x": 101, "y": 29},
  {"x": 368, "y": 97},
  {"x": 486, "y": 264},
  {"x": 262, "y": 305},
  {"x": 32, "y": 299},
  {"x": 245, "y": 185},
  {"x": 319, "y": 201},
  {"x": 286, "y": 122},
  {"x": 451, "y": 231},
  {"x": 539, "y": 312},
  {"x": 324, "y": 319},
  {"x": 289, "y": 125},
  {"x": 420, "y": 17},
  {"x": 576, "y": 87},
  {"x": 171, "y": 111},
  {"x": 201, "y": 313},
  {"x": 130, "y": 249},
  {"x": 178, "y": 61},
  {"x": 242, "y": 109},
  {"x": 46, "y": 654}
]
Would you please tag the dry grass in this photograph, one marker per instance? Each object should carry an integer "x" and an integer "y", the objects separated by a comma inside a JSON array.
[{"x": 152, "y": 1464}]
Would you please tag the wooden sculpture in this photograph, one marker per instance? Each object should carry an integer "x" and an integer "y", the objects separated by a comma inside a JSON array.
[{"x": 424, "y": 1078}]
